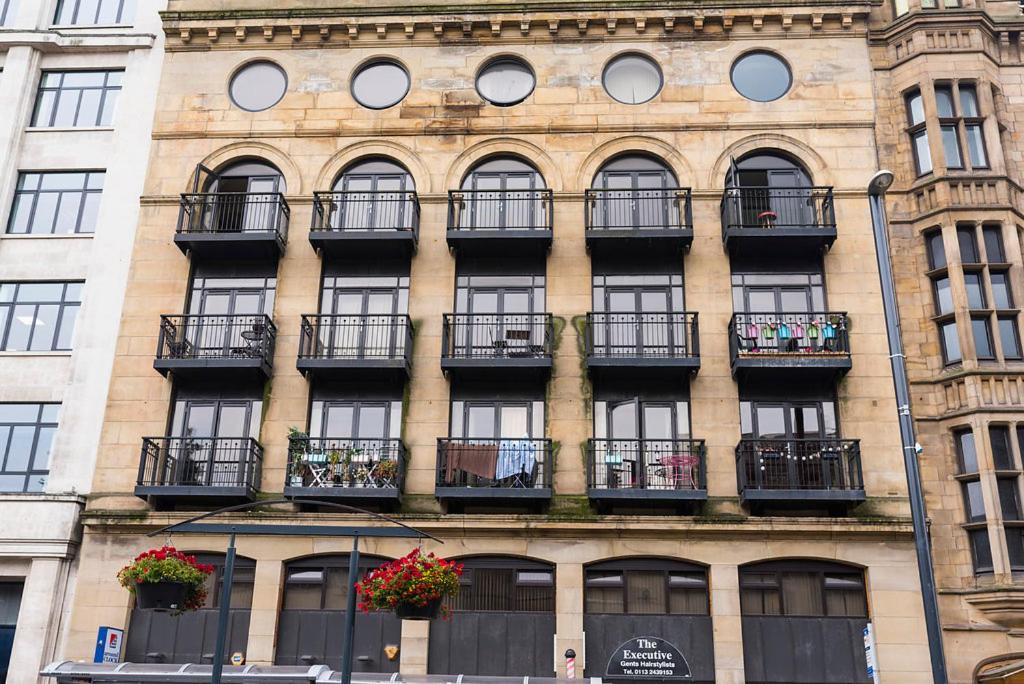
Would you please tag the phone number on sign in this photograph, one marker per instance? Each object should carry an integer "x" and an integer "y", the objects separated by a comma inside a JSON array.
[{"x": 643, "y": 672}]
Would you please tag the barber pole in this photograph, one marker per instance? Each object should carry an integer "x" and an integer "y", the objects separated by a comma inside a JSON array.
[{"x": 570, "y": 664}]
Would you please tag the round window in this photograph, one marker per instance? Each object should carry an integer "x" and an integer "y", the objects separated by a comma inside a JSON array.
[
  {"x": 505, "y": 81},
  {"x": 761, "y": 76},
  {"x": 258, "y": 86},
  {"x": 632, "y": 78},
  {"x": 380, "y": 85}
]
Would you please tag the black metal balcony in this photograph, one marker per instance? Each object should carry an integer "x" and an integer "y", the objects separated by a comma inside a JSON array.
[
  {"x": 646, "y": 471},
  {"x": 360, "y": 471},
  {"x": 339, "y": 345},
  {"x": 481, "y": 343},
  {"x": 365, "y": 223},
  {"x": 208, "y": 346},
  {"x": 499, "y": 222},
  {"x": 236, "y": 225},
  {"x": 199, "y": 470},
  {"x": 494, "y": 472},
  {"x": 642, "y": 341},
  {"x": 800, "y": 472},
  {"x": 659, "y": 218},
  {"x": 765, "y": 221},
  {"x": 799, "y": 346}
]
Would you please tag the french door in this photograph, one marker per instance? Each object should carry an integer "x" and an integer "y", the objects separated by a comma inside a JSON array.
[
  {"x": 243, "y": 203},
  {"x": 230, "y": 322},
  {"x": 641, "y": 443},
  {"x": 364, "y": 324},
  {"x": 636, "y": 199},
  {"x": 503, "y": 200},
  {"x": 637, "y": 321},
  {"x": 214, "y": 450},
  {"x": 793, "y": 442},
  {"x": 500, "y": 322},
  {"x": 372, "y": 201}
]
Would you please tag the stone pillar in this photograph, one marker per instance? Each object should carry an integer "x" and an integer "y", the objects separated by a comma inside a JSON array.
[
  {"x": 569, "y": 612},
  {"x": 415, "y": 645},
  {"x": 727, "y": 624},
  {"x": 38, "y": 617},
  {"x": 266, "y": 599}
]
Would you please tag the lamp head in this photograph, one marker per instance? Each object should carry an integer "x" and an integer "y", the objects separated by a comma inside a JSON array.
[{"x": 880, "y": 182}]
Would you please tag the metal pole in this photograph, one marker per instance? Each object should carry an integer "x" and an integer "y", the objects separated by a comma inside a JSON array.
[
  {"x": 350, "y": 614},
  {"x": 876, "y": 192},
  {"x": 224, "y": 613}
]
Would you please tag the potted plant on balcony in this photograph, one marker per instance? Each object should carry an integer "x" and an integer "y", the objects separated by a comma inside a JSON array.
[
  {"x": 298, "y": 445},
  {"x": 166, "y": 579},
  {"x": 413, "y": 586},
  {"x": 386, "y": 473}
]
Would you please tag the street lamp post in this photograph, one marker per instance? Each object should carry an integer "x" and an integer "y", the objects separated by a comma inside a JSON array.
[{"x": 879, "y": 183}]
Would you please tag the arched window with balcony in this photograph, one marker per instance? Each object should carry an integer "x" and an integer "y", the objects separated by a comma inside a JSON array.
[
  {"x": 503, "y": 623},
  {"x": 638, "y": 192},
  {"x": 503, "y": 193},
  {"x": 661, "y": 598},
  {"x": 803, "y": 621},
  {"x": 371, "y": 194},
  {"x": 158, "y": 637},
  {"x": 311, "y": 626},
  {"x": 771, "y": 190}
]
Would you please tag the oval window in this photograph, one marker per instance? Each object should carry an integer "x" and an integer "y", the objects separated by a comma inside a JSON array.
[
  {"x": 761, "y": 76},
  {"x": 632, "y": 79},
  {"x": 258, "y": 86},
  {"x": 505, "y": 81},
  {"x": 380, "y": 85}
]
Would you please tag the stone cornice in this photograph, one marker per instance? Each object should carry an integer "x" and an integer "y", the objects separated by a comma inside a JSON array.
[
  {"x": 943, "y": 20},
  {"x": 499, "y": 23},
  {"x": 663, "y": 527}
]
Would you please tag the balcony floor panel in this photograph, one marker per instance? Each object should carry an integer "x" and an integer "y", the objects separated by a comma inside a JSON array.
[
  {"x": 764, "y": 242},
  {"x": 328, "y": 369},
  {"x": 499, "y": 242},
  {"x": 214, "y": 368},
  {"x": 166, "y": 496},
  {"x": 646, "y": 495},
  {"x": 231, "y": 245},
  {"x": 798, "y": 496},
  {"x": 368, "y": 243},
  {"x": 823, "y": 368},
  {"x": 504, "y": 495},
  {"x": 639, "y": 239}
]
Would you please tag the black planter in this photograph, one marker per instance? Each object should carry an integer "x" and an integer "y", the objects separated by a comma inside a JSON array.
[
  {"x": 409, "y": 611},
  {"x": 161, "y": 596}
]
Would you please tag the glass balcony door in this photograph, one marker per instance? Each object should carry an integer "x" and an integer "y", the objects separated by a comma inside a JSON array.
[
  {"x": 214, "y": 449},
  {"x": 635, "y": 199},
  {"x": 363, "y": 324},
  {"x": 230, "y": 323},
  {"x": 372, "y": 201},
  {"x": 637, "y": 322}
]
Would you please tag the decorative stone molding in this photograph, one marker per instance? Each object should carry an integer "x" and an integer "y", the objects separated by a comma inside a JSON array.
[
  {"x": 1003, "y": 606},
  {"x": 183, "y": 28}
]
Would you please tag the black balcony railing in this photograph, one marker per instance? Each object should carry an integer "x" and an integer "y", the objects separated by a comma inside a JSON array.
[
  {"x": 494, "y": 463},
  {"x": 789, "y": 334},
  {"x": 641, "y": 209},
  {"x": 204, "y": 462},
  {"x": 346, "y": 463},
  {"x": 234, "y": 212},
  {"x": 499, "y": 210},
  {"x": 366, "y": 211},
  {"x": 825, "y": 464},
  {"x": 650, "y": 464},
  {"x": 497, "y": 336},
  {"x": 766, "y": 208},
  {"x": 233, "y": 337},
  {"x": 642, "y": 335},
  {"x": 354, "y": 338}
]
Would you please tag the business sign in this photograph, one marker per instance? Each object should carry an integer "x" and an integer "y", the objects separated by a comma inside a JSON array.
[
  {"x": 869, "y": 652},
  {"x": 647, "y": 658},
  {"x": 108, "y": 645}
]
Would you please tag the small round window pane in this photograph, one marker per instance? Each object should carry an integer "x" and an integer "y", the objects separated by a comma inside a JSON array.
[
  {"x": 258, "y": 86},
  {"x": 632, "y": 79},
  {"x": 380, "y": 85},
  {"x": 761, "y": 76},
  {"x": 506, "y": 81}
]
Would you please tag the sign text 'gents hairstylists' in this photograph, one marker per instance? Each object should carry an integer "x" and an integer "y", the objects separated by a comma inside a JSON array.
[{"x": 647, "y": 658}]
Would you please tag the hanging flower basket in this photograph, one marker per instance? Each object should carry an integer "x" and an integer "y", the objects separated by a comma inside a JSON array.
[
  {"x": 165, "y": 579},
  {"x": 413, "y": 586}
]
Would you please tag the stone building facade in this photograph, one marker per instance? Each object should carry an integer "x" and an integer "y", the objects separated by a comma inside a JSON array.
[
  {"x": 70, "y": 182},
  {"x": 735, "y": 485},
  {"x": 957, "y": 180}
]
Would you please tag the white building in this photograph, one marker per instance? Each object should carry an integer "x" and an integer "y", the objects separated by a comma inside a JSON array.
[{"x": 77, "y": 93}]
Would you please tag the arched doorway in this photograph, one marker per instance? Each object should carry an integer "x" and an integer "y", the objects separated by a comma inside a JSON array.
[
  {"x": 501, "y": 194},
  {"x": 311, "y": 625},
  {"x": 635, "y": 191},
  {"x": 190, "y": 638},
  {"x": 633, "y": 598},
  {"x": 373, "y": 194},
  {"x": 803, "y": 621},
  {"x": 503, "y": 621}
]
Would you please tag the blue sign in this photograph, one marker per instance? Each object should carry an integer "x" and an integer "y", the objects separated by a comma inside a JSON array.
[{"x": 108, "y": 645}]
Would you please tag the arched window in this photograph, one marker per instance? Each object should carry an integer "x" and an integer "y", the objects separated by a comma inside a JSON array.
[
  {"x": 243, "y": 196},
  {"x": 646, "y": 586},
  {"x": 661, "y": 598},
  {"x": 188, "y": 638},
  {"x": 803, "y": 620},
  {"x": 767, "y": 189},
  {"x": 503, "y": 193},
  {"x": 505, "y": 621},
  {"x": 372, "y": 194},
  {"x": 312, "y": 622},
  {"x": 635, "y": 191}
]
